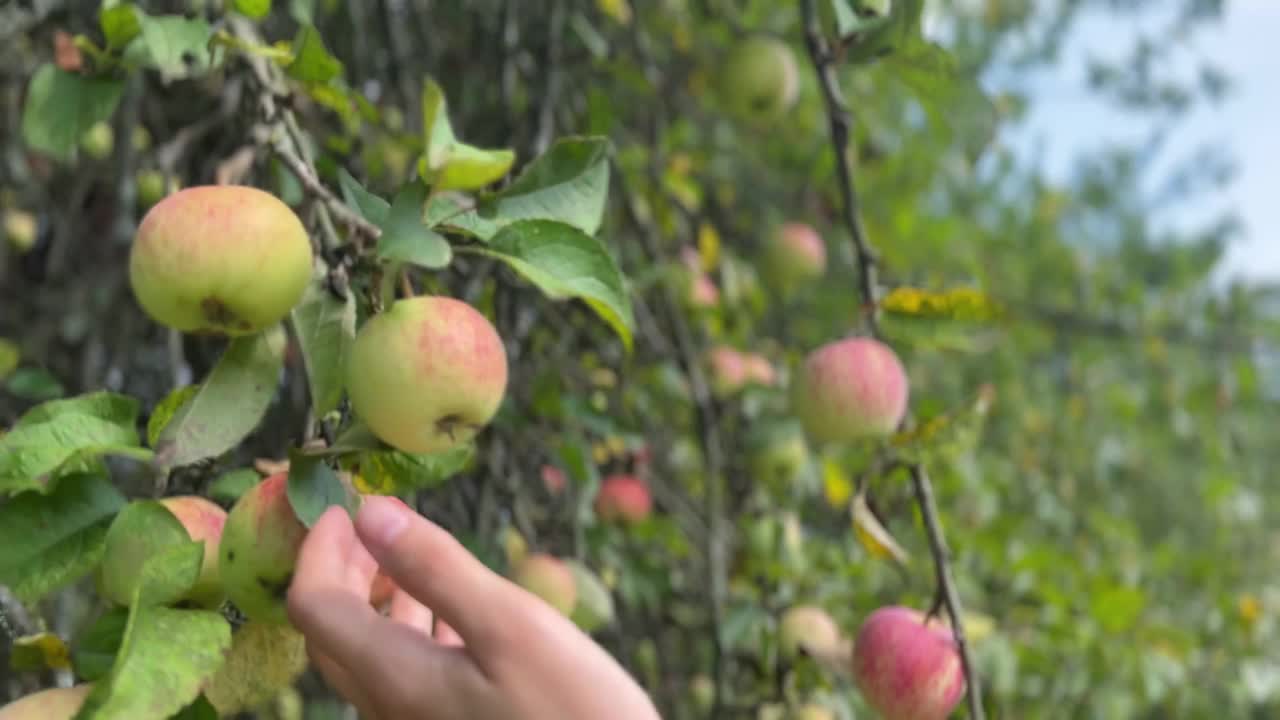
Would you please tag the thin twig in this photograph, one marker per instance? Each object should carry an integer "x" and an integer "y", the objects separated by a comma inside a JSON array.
[
  {"x": 340, "y": 210},
  {"x": 841, "y": 123}
]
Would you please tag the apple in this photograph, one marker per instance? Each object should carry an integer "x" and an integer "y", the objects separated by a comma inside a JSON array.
[
  {"x": 514, "y": 546},
  {"x": 51, "y": 704},
  {"x": 623, "y": 498},
  {"x": 850, "y": 390},
  {"x": 135, "y": 537},
  {"x": 794, "y": 254},
  {"x": 759, "y": 370},
  {"x": 809, "y": 628},
  {"x": 759, "y": 79},
  {"x": 220, "y": 259},
  {"x": 427, "y": 374},
  {"x": 153, "y": 186},
  {"x": 907, "y": 668},
  {"x": 594, "y": 606},
  {"x": 728, "y": 370},
  {"x": 21, "y": 229},
  {"x": 98, "y": 141},
  {"x": 553, "y": 479},
  {"x": 779, "y": 454},
  {"x": 259, "y": 549},
  {"x": 702, "y": 691},
  {"x": 550, "y": 579}
]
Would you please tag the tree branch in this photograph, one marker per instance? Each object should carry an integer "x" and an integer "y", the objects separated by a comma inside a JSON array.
[{"x": 841, "y": 124}]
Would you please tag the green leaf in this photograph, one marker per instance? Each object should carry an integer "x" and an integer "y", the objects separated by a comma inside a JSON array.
[
  {"x": 229, "y": 404},
  {"x": 175, "y": 46},
  {"x": 199, "y": 709},
  {"x": 392, "y": 472},
  {"x": 325, "y": 328},
  {"x": 166, "y": 657},
  {"x": 404, "y": 236},
  {"x": 314, "y": 487},
  {"x": 566, "y": 263},
  {"x": 373, "y": 208},
  {"x": 1117, "y": 608},
  {"x": 94, "y": 652},
  {"x": 9, "y": 357},
  {"x": 569, "y": 184},
  {"x": 49, "y": 541},
  {"x": 170, "y": 574},
  {"x": 114, "y": 408},
  {"x": 62, "y": 106},
  {"x": 120, "y": 23},
  {"x": 53, "y": 434},
  {"x": 229, "y": 486},
  {"x": 312, "y": 62},
  {"x": 35, "y": 384},
  {"x": 164, "y": 412},
  {"x": 448, "y": 163},
  {"x": 264, "y": 659},
  {"x": 256, "y": 9},
  {"x": 900, "y": 29},
  {"x": 956, "y": 105}
]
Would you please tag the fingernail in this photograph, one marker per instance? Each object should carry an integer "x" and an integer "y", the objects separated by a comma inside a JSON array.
[{"x": 382, "y": 519}]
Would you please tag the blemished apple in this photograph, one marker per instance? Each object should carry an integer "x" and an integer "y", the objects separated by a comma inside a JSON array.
[
  {"x": 759, "y": 80},
  {"x": 907, "y": 669},
  {"x": 795, "y": 254},
  {"x": 624, "y": 498},
  {"x": 550, "y": 579},
  {"x": 259, "y": 550},
  {"x": 427, "y": 374},
  {"x": 809, "y": 628},
  {"x": 51, "y": 704},
  {"x": 135, "y": 537},
  {"x": 225, "y": 260},
  {"x": 850, "y": 390},
  {"x": 593, "y": 608}
]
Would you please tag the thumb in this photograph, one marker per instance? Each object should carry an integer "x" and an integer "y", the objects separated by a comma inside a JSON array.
[{"x": 432, "y": 566}]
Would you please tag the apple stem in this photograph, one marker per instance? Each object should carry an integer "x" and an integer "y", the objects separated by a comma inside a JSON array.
[{"x": 406, "y": 284}]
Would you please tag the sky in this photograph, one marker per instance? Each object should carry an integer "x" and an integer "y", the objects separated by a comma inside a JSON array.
[{"x": 1066, "y": 120}]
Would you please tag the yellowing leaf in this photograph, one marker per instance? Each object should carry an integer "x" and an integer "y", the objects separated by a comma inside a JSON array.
[
  {"x": 40, "y": 651},
  {"x": 1249, "y": 608},
  {"x": 954, "y": 304},
  {"x": 618, "y": 10},
  {"x": 873, "y": 536},
  {"x": 837, "y": 488},
  {"x": 709, "y": 246}
]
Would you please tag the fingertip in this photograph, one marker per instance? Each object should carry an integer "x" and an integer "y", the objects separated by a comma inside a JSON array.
[{"x": 381, "y": 520}]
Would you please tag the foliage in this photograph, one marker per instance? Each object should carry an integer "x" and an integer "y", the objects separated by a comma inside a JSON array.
[{"x": 1091, "y": 403}]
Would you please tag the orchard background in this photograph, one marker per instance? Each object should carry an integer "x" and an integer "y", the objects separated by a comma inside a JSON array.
[{"x": 1089, "y": 434}]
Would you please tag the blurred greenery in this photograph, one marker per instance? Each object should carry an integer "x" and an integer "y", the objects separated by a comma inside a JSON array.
[{"x": 1094, "y": 404}]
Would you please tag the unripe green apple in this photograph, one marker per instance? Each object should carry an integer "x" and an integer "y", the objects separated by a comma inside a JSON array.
[
  {"x": 51, "y": 704},
  {"x": 98, "y": 141},
  {"x": 20, "y": 228},
  {"x": 850, "y": 390},
  {"x": 623, "y": 498},
  {"x": 907, "y": 669},
  {"x": 259, "y": 550},
  {"x": 759, "y": 79},
  {"x": 780, "y": 454},
  {"x": 794, "y": 254},
  {"x": 222, "y": 259},
  {"x": 141, "y": 532},
  {"x": 550, "y": 579},
  {"x": 702, "y": 692},
  {"x": 809, "y": 628},
  {"x": 427, "y": 374},
  {"x": 153, "y": 186},
  {"x": 594, "y": 606}
]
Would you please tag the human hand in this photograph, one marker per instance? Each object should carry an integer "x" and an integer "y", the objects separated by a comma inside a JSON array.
[{"x": 496, "y": 651}]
